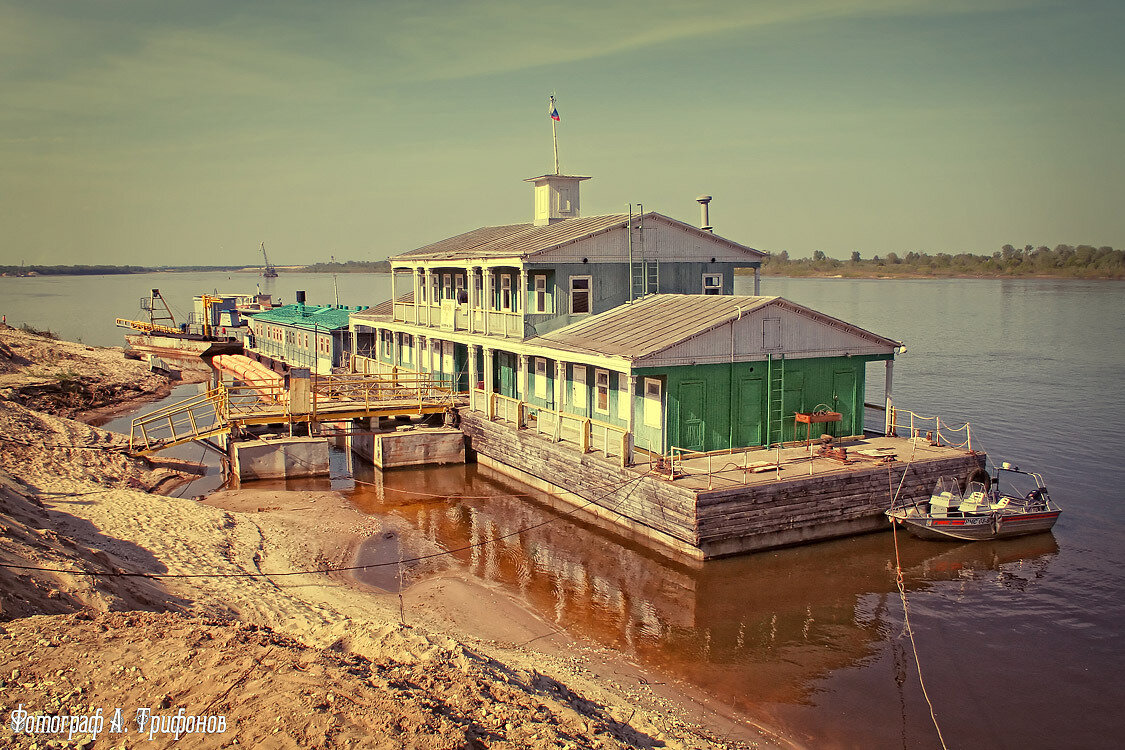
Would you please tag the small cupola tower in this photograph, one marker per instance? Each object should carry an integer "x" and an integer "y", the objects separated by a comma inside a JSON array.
[{"x": 556, "y": 197}]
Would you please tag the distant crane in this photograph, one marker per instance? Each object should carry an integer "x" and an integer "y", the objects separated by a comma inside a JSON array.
[{"x": 269, "y": 271}]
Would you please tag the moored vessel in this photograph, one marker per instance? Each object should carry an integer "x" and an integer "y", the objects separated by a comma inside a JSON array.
[{"x": 1013, "y": 503}]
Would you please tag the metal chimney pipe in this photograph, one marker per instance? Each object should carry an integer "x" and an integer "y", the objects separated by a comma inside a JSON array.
[{"x": 704, "y": 220}]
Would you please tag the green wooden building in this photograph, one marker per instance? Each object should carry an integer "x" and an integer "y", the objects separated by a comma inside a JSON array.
[{"x": 618, "y": 331}]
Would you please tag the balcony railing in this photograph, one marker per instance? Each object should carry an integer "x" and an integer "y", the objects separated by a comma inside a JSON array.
[{"x": 451, "y": 316}]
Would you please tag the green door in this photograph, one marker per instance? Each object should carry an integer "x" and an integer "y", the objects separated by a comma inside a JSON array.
[
  {"x": 691, "y": 416},
  {"x": 461, "y": 368},
  {"x": 507, "y": 374},
  {"x": 750, "y": 416},
  {"x": 843, "y": 401}
]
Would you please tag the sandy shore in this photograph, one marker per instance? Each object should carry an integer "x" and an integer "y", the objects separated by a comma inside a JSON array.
[{"x": 289, "y": 658}]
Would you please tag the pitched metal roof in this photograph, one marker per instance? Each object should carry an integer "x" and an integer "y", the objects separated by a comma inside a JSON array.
[
  {"x": 322, "y": 317},
  {"x": 524, "y": 240},
  {"x": 659, "y": 321},
  {"x": 384, "y": 311}
]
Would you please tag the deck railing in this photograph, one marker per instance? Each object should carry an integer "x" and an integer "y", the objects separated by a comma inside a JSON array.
[
  {"x": 916, "y": 425},
  {"x": 588, "y": 435}
]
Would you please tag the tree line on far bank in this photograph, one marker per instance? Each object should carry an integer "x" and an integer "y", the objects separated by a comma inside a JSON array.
[
  {"x": 351, "y": 266},
  {"x": 1064, "y": 261}
]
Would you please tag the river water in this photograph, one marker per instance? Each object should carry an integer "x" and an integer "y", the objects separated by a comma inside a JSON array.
[{"x": 1019, "y": 641}]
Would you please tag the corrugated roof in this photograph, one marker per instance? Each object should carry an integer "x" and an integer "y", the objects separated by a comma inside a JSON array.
[
  {"x": 659, "y": 321},
  {"x": 323, "y": 317},
  {"x": 384, "y": 311},
  {"x": 523, "y": 240}
]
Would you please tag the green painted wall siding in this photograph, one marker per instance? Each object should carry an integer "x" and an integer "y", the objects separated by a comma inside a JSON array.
[{"x": 711, "y": 407}]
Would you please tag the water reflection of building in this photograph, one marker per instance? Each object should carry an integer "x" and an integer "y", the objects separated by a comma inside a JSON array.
[{"x": 757, "y": 628}]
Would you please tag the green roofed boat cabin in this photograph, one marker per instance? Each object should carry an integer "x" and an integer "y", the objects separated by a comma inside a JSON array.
[{"x": 624, "y": 328}]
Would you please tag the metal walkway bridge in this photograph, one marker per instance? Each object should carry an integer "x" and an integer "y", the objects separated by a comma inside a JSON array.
[{"x": 317, "y": 399}]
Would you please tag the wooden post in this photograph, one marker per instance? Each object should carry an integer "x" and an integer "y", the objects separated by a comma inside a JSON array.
[{"x": 584, "y": 438}]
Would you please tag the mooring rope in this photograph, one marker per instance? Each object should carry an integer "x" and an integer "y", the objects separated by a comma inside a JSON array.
[
  {"x": 905, "y": 605},
  {"x": 910, "y": 632}
]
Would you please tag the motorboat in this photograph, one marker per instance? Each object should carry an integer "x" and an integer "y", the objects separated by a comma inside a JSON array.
[{"x": 1012, "y": 503}]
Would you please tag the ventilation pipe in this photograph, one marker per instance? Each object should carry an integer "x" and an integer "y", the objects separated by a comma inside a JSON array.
[
  {"x": 704, "y": 219},
  {"x": 301, "y": 302}
]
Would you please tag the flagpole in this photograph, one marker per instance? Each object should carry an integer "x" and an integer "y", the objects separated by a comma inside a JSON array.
[{"x": 555, "y": 137}]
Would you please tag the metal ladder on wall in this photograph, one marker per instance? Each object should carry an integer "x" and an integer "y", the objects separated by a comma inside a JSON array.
[
  {"x": 776, "y": 399},
  {"x": 637, "y": 274},
  {"x": 644, "y": 275}
]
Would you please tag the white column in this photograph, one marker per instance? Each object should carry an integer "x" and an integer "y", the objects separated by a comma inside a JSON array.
[
  {"x": 473, "y": 375},
  {"x": 488, "y": 377},
  {"x": 630, "y": 421},
  {"x": 426, "y": 280},
  {"x": 890, "y": 400},
  {"x": 560, "y": 388},
  {"x": 521, "y": 296},
  {"x": 523, "y": 379},
  {"x": 487, "y": 301},
  {"x": 417, "y": 290},
  {"x": 394, "y": 291}
]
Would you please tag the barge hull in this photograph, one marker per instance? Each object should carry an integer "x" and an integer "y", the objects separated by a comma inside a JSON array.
[{"x": 702, "y": 524}]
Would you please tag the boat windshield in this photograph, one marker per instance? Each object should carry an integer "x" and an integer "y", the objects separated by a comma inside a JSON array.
[
  {"x": 948, "y": 487},
  {"x": 975, "y": 488},
  {"x": 1020, "y": 485}
]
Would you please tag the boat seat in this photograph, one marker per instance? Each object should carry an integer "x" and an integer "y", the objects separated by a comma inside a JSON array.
[
  {"x": 939, "y": 504},
  {"x": 974, "y": 503}
]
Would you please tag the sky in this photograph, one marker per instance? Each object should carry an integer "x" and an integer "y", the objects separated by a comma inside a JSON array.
[{"x": 175, "y": 133}]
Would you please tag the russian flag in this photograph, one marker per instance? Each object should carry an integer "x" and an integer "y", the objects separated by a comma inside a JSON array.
[{"x": 552, "y": 110}]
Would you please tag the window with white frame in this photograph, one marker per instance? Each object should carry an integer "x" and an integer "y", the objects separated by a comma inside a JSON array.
[
  {"x": 420, "y": 280},
  {"x": 601, "y": 391},
  {"x": 478, "y": 289},
  {"x": 712, "y": 283},
  {"x": 506, "y": 292},
  {"x": 540, "y": 293},
  {"x": 579, "y": 295},
  {"x": 447, "y": 286},
  {"x": 653, "y": 403},
  {"x": 578, "y": 386},
  {"x": 435, "y": 289},
  {"x": 459, "y": 287},
  {"x": 540, "y": 378},
  {"x": 407, "y": 349}
]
